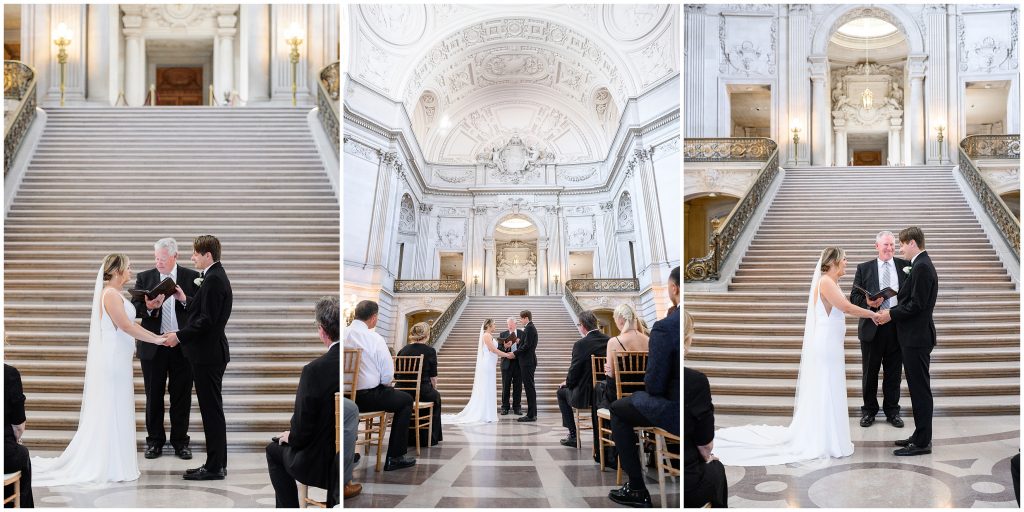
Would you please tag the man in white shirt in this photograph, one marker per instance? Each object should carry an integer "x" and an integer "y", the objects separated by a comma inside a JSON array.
[
  {"x": 374, "y": 389},
  {"x": 879, "y": 344}
]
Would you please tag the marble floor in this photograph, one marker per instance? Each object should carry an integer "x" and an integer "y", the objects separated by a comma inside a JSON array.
[
  {"x": 505, "y": 464},
  {"x": 969, "y": 467},
  {"x": 247, "y": 485}
]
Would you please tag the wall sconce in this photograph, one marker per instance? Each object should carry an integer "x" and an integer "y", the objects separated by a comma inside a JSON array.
[
  {"x": 796, "y": 144},
  {"x": 294, "y": 39},
  {"x": 476, "y": 280},
  {"x": 556, "y": 282},
  {"x": 62, "y": 38},
  {"x": 940, "y": 128}
]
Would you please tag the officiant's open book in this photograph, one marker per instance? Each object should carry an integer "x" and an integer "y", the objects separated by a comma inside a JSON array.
[
  {"x": 165, "y": 288},
  {"x": 886, "y": 293}
]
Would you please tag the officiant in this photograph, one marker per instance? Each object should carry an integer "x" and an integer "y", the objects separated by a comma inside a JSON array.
[{"x": 165, "y": 368}]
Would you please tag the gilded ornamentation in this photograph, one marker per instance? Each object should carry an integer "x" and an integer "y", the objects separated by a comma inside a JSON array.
[{"x": 992, "y": 146}]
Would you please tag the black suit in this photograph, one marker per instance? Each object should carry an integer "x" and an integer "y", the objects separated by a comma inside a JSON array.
[
  {"x": 206, "y": 346},
  {"x": 578, "y": 391},
  {"x": 510, "y": 374},
  {"x": 916, "y": 330},
  {"x": 526, "y": 354},
  {"x": 165, "y": 368},
  {"x": 879, "y": 345},
  {"x": 310, "y": 452},
  {"x": 16, "y": 456}
]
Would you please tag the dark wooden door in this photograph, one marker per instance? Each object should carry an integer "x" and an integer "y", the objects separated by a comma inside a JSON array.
[
  {"x": 867, "y": 158},
  {"x": 179, "y": 86}
]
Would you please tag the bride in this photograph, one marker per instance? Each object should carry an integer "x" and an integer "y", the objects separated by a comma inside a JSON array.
[
  {"x": 820, "y": 427},
  {"x": 104, "y": 447},
  {"x": 483, "y": 401}
]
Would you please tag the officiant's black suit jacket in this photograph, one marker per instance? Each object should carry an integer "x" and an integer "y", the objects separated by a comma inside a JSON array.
[
  {"x": 507, "y": 363},
  {"x": 202, "y": 338},
  {"x": 913, "y": 315},
  {"x": 311, "y": 438},
  {"x": 146, "y": 281},
  {"x": 867, "y": 278},
  {"x": 578, "y": 379},
  {"x": 526, "y": 352}
]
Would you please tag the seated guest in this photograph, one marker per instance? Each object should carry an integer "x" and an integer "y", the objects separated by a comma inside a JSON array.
[
  {"x": 704, "y": 475},
  {"x": 374, "y": 391},
  {"x": 16, "y": 455},
  {"x": 1015, "y": 475},
  {"x": 419, "y": 335},
  {"x": 657, "y": 405},
  {"x": 576, "y": 390},
  {"x": 350, "y": 415},
  {"x": 632, "y": 338},
  {"x": 307, "y": 451}
]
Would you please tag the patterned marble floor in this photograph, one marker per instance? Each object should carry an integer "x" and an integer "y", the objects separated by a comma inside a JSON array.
[
  {"x": 505, "y": 464},
  {"x": 247, "y": 485},
  {"x": 969, "y": 467}
]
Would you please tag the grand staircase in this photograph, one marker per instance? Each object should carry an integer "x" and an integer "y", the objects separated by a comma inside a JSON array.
[
  {"x": 115, "y": 180},
  {"x": 748, "y": 339},
  {"x": 457, "y": 358}
]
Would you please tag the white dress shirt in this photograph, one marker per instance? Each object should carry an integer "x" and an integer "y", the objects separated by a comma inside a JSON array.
[
  {"x": 894, "y": 278},
  {"x": 375, "y": 364},
  {"x": 172, "y": 318}
]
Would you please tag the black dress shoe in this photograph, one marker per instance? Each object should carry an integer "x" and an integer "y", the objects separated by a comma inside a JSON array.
[
  {"x": 183, "y": 453},
  {"x": 913, "y": 449},
  {"x": 393, "y": 463},
  {"x": 517, "y": 411},
  {"x": 568, "y": 441},
  {"x": 895, "y": 421},
  {"x": 154, "y": 451},
  {"x": 631, "y": 498},
  {"x": 904, "y": 442},
  {"x": 355, "y": 459},
  {"x": 504, "y": 412},
  {"x": 867, "y": 420},
  {"x": 527, "y": 418},
  {"x": 205, "y": 474}
]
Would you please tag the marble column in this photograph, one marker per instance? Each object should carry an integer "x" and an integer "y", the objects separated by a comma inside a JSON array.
[
  {"x": 542, "y": 267},
  {"x": 821, "y": 116},
  {"x": 491, "y": 275},
  {"x": 796, "y": 84},
  {"x": 915, "y": 109},
  {"x": 895, "y": 156},
  {"x": 134, "y": 67},
  {"x": 935, "y": 85},
  {"x": 842, "y": 157},
  {"x": 224, "y": 53},
  {"x": 609, "y": 268},
  {"x": 532, "y": 284}
]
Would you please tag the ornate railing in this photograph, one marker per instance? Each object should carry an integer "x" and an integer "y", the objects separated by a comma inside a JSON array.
[
  {"x": 603, "y": 285},
  {"x": 571, "y": 299},
  {"x": 996, "y": 209},
  {"x": 20, "y": 85},
  {"x": 991, "y": 146},
  {"x": 428, "y": 285},
  {"x": 446, "y": 317},
  {"x": 739, "y": 149},
  {"x": 328, "y": 108},
  {"x": 706, "y": 268}
]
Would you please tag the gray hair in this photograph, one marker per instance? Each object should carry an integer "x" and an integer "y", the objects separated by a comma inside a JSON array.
[
  {"x": 328, "y": 316},
  {"x": 878, "y": 237},
  {"x": 510, "y": 319},
  {"x": 168, "y": 244}
]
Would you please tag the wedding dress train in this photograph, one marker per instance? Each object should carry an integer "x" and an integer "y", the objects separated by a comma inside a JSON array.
[
  {"x": 103, "y": 448},
  {"x": 483, "y": 401}
]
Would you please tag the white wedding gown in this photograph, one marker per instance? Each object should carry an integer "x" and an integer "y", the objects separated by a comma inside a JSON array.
[
  {"x": 104, "y": 447},
  {"x": 483, "y": 401},
  {"x": 820, "y": 428}
]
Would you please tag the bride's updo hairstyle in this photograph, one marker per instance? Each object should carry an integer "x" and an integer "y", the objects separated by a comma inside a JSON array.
[
  {"x": 830, "y": 256},
  {"x": 487, "y": 323},
  {"x": 114, "y": 264},
  {"x": 628, "y": 316}
]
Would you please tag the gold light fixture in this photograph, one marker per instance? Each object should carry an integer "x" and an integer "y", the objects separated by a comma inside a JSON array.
[
  {"x": 867, "y": 98},
  {"x": 294, "y": 39},
  {"x": 62, "y": 38},
  {"x": 940, "y": 129},
  {"x": 796, "y": 144}
]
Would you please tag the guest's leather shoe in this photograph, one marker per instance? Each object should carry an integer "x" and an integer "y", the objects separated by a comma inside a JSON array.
[
  {"x": 352, "y": 490},
  {"x": 393, "y": 463},
  {"x": 504, "y": 412},
  {"x": 631, "y": 498},
  {"x": 568, "y": 441},
  {"x": 867, "y": 420},
  {"x": 903, "y": 442},
  {"x": 896, "y": 421},
  {"x": 205, "y": 474},
  {"x": 527, "y": 418},
  {"x": 154, "y": 451},
  {"x": 355, "y": 459},
  {"x": 183, "y": 453},
  {"x": 913, "y": 449},
  {"x": 517, "y": 411}
]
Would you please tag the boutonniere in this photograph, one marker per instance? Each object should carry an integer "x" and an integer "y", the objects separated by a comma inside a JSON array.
[
  {"x": 906, "y": 270},
  {"x": 198, "y": 281}
]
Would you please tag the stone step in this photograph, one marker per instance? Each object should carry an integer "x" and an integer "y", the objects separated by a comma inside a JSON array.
[
  {"x": 794, "y": 329},
  {"x": 851, "y": 340},
  {"x": 939, "y": 370},
  {"x": 70, "y": 402},
  {"x": 239, "y": 385},
  {"x": 943, "y": 406},
  {"x": 854, "y": 387},
  {"x": 294, "y": 350},
  {"x": 770, "y": 354},
  {"x": 952, "y": 316},
  {"x": 270, "y": 422},
  {"x": 249, "y": 441}
]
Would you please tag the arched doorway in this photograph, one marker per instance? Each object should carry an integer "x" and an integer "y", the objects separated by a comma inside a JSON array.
[
  {"x": 516, "y": 256},
  {"x": 702, "y": 215}
]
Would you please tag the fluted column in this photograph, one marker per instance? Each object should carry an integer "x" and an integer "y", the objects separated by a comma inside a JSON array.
[
  {"x": 224, "y": 53},
  {"x": 134, "y": 68},
  {"x": 542, "y": 267},
  {"x": 915, "y": 109},
  {"x": 895, "y": 154},
  {"x": 842, "y": 155},
  {"x": 491, "y": 277},
  {"x": 821, "y": 115},
  {"x": 936, "y": 85},
  {"x": 797, "y": 87},
  {"x": 609, "y": 268}
]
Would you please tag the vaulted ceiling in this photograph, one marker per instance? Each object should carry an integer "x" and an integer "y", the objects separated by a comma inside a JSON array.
[{"x": 472, "y": 76}]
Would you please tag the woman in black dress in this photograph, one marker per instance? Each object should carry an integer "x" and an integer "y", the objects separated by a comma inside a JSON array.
[
  {"x": 703, "y": 475},
  {"x": 419, "y": 335}
]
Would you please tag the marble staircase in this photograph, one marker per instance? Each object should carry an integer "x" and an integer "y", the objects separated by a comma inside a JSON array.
[
  {"x": 748, "y": 339},
  {"x": 117, "y": 179}
]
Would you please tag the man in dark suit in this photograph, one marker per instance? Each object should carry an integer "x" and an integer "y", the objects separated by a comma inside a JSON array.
[
  {"x": 160, "y": 363},
  {"x": 915, "y": 328},
  {"x": 206, "y": 347},
  {"x": 16, "y": 457},
  {"x": 657, "y": 405},
  {"x": 307, "y": 452},
  {"x": 879, "y": 345},
  {"x": 577, "y": 391},
  {"x": 526, "y": 356},
  {"x": 510, "y": 375}
]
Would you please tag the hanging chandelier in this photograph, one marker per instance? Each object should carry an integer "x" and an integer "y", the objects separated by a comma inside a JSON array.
[{"x": 867, "y": 97}]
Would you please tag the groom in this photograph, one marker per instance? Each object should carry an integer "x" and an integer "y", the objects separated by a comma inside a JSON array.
[
  {"x": 915, "y": 330},
  {"x": 206, "y": 347},
  {"x": 527, "y": 357}
]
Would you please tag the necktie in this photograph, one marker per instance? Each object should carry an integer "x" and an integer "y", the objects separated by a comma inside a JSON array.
[
  {"x": 885, "y": 283},
  {"x": 168, "y": 320}
]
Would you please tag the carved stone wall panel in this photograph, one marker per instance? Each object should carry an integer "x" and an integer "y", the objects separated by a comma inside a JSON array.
[
  {"x": 581, "y": 231},
  {"x": 360, "y": 150},
  {"x": 630, "y": 22},
  {"x": 398, "y": 24},
  {"x": 1001, "y": 179},
  {"x": 748, "y": 45},
  {"x": 987, "y": 41},
  {"x": 701, "y": 182},
  {"x": 451, "y": 232}
]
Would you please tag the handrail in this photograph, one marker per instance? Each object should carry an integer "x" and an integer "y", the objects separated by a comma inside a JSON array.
[
  {"x": 571, "y": 299},
  {"x": 428, "y": 285},
  {"x": 19, "y": 84},
  {"x": 328, "y": 103},
  {"x": 706, "y": 268},
  {"x": 439, "y": 326},
  {"x": 603, "y": 285},
  {"x": 992, "y": 146}
]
